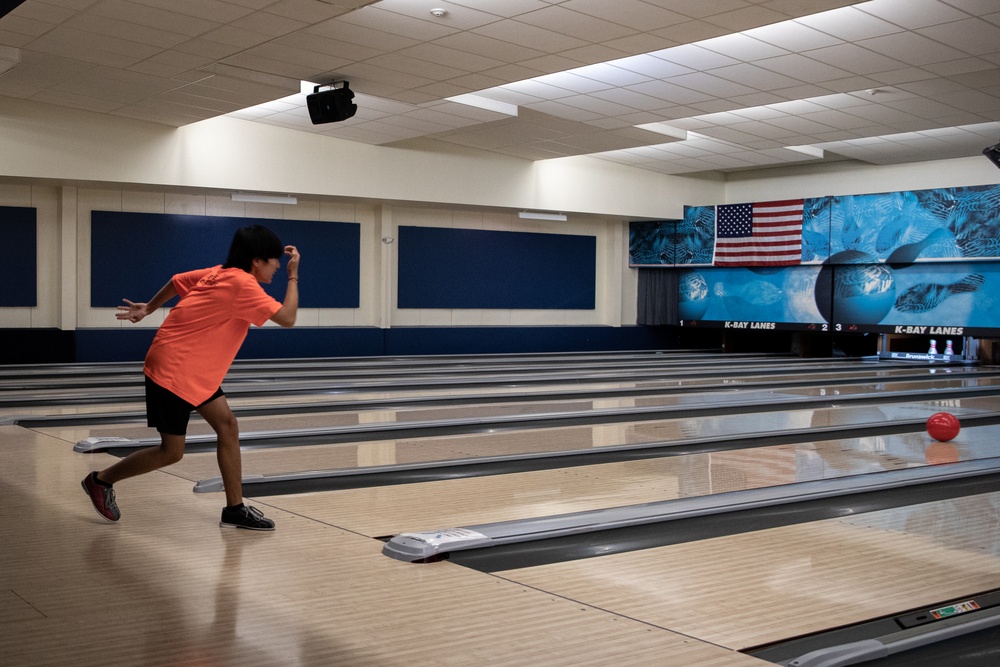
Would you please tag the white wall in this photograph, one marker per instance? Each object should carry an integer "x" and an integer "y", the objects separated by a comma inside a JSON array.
[
  {"x": 848, "y": 178},
  {"x": 64, "y": 260},
  {"x": 67, "y": 163},
  {"x": 46, "y": 142},
  {"x": 51, "y": 269}
]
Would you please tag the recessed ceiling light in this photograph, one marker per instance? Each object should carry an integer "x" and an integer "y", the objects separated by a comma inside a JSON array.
[
  {"x": 534, "y": 215},
  {"x": 264, "y": 199},
  {"x": 485, "y": 103},
  {"x": 811, "y": 151}
]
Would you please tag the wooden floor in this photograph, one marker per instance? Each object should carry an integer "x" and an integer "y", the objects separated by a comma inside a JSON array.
[{"x": 167, "y": 586}]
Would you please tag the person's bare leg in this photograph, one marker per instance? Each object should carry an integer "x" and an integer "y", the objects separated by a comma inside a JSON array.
[
  {"x": 170, "y": 451},
  {"x": 227, "y": 430}
]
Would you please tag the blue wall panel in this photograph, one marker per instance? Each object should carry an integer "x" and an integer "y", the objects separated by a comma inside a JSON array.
[
  {"x": 278, "y": 343},
  {"x": 470, "y": 268},
  {"x": 20, "y": 289},
  {"x": 504, "y": 340},
  {"x": 134, "y": 254},
  {"x": 102, "y": 345}
]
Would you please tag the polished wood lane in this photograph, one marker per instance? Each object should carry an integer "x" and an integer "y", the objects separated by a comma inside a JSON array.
[
  {"x": 390, "y": 510},
  {"x": 747, "y": 590},
  {"x": 199, "y": 466}
]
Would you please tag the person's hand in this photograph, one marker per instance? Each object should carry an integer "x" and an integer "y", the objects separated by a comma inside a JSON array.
[
  {"x": 293, "y": 261},
  {"x": 133, "y": 312}
]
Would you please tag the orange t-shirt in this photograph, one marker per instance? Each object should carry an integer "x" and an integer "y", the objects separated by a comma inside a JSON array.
[{"x": 198, "y": 340}]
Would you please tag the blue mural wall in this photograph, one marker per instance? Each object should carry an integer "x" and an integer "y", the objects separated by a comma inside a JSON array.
[
  {"x": 924, "y": 262},
  {"x": 743, "y": 298}
]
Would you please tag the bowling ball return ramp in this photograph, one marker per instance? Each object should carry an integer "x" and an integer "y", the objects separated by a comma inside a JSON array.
[{"x": 429, "y": 546}]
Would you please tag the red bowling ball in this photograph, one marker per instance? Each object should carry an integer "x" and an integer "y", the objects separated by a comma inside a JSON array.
[{"x": 943, "y": 426}]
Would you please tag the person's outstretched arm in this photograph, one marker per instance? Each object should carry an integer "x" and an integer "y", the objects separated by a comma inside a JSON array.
[
  {"x": 290, "y": 306},
  {"x": 134, "y": 312}
]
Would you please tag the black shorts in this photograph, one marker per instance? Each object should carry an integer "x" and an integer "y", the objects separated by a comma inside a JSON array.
[{"x": 167, "y": 412}]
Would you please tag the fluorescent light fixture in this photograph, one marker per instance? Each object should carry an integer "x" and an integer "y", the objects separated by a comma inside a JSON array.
[
  {"x": 264, "y": 199},
  {"x": 481, "y": 102},
  {"x": 532, "y": 215},
  {"x": 668, "y": 130},
  {"x": 811, "y": 151}
]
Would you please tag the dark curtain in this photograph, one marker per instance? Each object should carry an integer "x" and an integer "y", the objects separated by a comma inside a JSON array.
[{"x": 657, "y": 299}]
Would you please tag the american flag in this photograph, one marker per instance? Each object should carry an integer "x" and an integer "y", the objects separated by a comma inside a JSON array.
[{"x": 762, "y": 234}]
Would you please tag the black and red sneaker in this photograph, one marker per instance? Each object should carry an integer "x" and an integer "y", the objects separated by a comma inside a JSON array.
[{"x": 103, "y": 497}]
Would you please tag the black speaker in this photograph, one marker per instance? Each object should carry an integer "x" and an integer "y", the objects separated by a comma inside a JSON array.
[
  {"x": 993, "y": 153},
  {"x": 331, "y": 105}
]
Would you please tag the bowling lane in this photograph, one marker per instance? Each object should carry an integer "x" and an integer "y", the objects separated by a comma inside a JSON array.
[
  {"x": 390, "y": 510},
  {"x": 746, "y": 590},
  {"x": 331, "y": 395},
  {"x": 496, "y": 372},
  {"x": 416, "y": 368},
  {"x": 264, "y": 389},
  {"x": 727, "y": 399},
  {"x": 388, "y": 452}
]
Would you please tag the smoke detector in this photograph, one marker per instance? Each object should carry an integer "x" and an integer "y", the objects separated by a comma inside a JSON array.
[{"x": 438, "y": 12}]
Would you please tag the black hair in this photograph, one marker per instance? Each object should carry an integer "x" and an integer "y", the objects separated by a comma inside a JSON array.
[{"x": 250, "y": 243}]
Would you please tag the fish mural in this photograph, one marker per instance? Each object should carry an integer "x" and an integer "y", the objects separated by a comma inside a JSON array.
[
  {"x": 755, "y": 293},
  {"x": 928, "y": 296}
]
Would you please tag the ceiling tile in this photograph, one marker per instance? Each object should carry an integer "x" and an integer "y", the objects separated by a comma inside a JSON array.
[
  {"x": 912, "y": 48},
  {"x": 558, "y": 19},
  {"x": 855, "y": 59},
  {"x": 118, "y": 11},
  {"x": 381, "y": 20},
  {"x": 532, "y": 37},
  {"x": 792, "y": 36},
  {"x": 755, "y": 77},
  {"x": 711, "y": 85},
  {"x": 651, "y": 66},
  {"x": 636, "y": 15},
  {"x": 743, "y": 47},
  {"x": 441, "y": 55},
  {"x": 487, "y": 47},
  {"x": 583, "y": 71},
  {"x": 974, "y": 35},
  {"x": 849, "y": 24},
  {"x": 803, "y": 68},
  {"x": 695, "y": 57},
  {"x": 912, "y": 14},
  {"x": 459, "y": 17}
]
